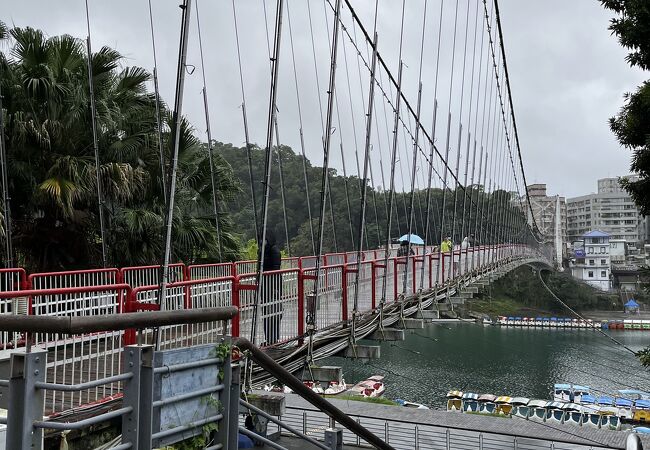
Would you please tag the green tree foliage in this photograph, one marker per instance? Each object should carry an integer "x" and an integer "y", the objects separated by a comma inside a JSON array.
[
  {"x": 51, "y": 162},
  {"x": 632, "y": 124},
  {"x": 341, "y": 234}
]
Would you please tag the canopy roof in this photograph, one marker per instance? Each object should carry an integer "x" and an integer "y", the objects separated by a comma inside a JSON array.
[
  {"x": 595, "y": 233},
  {"x": 631, "y": 304}
]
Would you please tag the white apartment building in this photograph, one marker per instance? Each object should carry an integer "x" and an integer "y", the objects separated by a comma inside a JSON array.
[
  {"x": 611, "y": 210},
  {"x": 595, "y": 267}
]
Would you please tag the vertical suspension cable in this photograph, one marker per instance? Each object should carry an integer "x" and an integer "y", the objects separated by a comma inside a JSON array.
[
  {"x": 447, "y": 148},
  {"x": 159, "y": 122},
  {"x": 6, "y": 197},
  {"x": 415, "y": 151},
  {"x": 275, "y": 63},
  {"x": 245, "y": 122},
  {"x": 366, "y": 161},
  {"x": 469, "y": 136},
  {"x": 433, "y": 138},
  {"x": 277, "y": 141},
  {"x": 208, "y": 132},
  {"x": 177, "y": 119},
  {"x": 372, "y": 177},
  {"x": 458, "y": 186},
  {"x": 340, "y": 130},
  {"x": 322, "y": 120},
  {"x": 93, "y": 115},
  {"x": 326, "y": 149},
  {"x": 302, "y": 140}
]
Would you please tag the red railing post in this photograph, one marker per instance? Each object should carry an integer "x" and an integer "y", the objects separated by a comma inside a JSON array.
[
  {"x": 395, "y": 278},
  {"x": 129, "y": 306},
  {"x": 235, "y": 302},
  {"x": 344, "y": 292},
  {"x": 373, "y": 280},
  {"x": 301, "y": 304}
]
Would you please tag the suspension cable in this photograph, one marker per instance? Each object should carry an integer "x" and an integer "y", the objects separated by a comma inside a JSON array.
[
  {"x": 302, "y": 140},
  {"x": 6, "y": 197},
  {"x": 272, "y": 110},
  {"x": 277, "y": 140},
  {"x": 159, "y": 122},
  {"x": 176, "y": 139},
  {"x": 245, "y": 122},
  {"x": 208, "y": 132},
  {"x": 93, "y": 114}
]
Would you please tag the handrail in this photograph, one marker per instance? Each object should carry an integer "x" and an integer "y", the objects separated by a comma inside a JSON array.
[
  {"x": 280, "y": 373},
  {"x": 289, "y": 428},
  {"x": 90, "y": 324}
]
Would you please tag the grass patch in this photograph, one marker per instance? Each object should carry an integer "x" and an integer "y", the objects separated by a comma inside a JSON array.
[
  {"x": 359, "y": 398},
  {"x": 496, "y": 307}
]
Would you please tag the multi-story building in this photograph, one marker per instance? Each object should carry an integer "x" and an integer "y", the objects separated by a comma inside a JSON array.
[
  {"x": 544, "y": 209},
  {"x": 594, "y": 265},
  {"x": 610, "y": 210}
]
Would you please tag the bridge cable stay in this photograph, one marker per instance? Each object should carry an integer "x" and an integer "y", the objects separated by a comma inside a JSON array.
[
  {"x": 393, "y": 82},
  {"x": 354, "y": 130},
  {"x": 489, "y": 19},
  {"x": 272, "y": 111},
  {"x": 177, "y": 130},
  {"x": 251, "y": 177},
  {"x": 415, "y": 155},
  {"x": 392, "y": 168},
  {"x": 458, "y": 185},
  {"x": 300, "y": 130},
  {"x": 434, "y": 121},
  {"x": 363, "y": 100},
  {"x": 326, "y": 153},
  {"x": 391, "y": 199},
  {"x": 208, "y": 131},
  {"x": 363, "y": 183},
  {"x": 93, "y": 116},
  {"x": 479, "y": 93},
  {"x": 512, "y": 110},
  {"x": 469, "y": 134},
  {"x": 598, "y": 329},
  {"x": 159, "y": 121},
  {"x": 447, "y": 147},
  {"x": 322, "y": 122},
  {"x": 277, "y": 140},
  {"x": 6, "y": 196},
  {"x": 392, "y": 79},
  {"x": 340, "y": 132}
]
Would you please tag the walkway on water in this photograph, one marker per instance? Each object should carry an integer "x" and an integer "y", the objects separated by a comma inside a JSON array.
[{"x": 404, "y": 428}]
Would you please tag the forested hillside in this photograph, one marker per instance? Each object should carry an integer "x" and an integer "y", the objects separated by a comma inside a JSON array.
[{"x": 342, "y": 234}]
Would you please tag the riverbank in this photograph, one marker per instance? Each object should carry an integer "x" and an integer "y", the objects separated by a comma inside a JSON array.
[{"x": 521, "y": 293}]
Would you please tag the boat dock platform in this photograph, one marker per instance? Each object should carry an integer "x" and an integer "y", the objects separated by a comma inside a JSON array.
[{"x": 407, "y": 428}]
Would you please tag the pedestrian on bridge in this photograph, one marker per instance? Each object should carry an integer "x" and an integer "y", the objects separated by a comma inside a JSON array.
[
  {"x": 446, "y": 245},
  {"x": 272, "y": 290}
]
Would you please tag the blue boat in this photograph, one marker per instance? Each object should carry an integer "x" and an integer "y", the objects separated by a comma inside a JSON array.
[{"x": 605, "y": 400}]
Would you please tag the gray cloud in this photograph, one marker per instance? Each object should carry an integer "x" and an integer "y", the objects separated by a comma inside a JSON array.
[{"x": 567, "y": 73}]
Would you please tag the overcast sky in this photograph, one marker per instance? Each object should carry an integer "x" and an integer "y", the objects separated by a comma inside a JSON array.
[{"x": 567, "y": 74}]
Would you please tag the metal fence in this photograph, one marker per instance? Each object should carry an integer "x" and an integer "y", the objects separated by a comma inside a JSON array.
[{"x": 403, "y": 435}]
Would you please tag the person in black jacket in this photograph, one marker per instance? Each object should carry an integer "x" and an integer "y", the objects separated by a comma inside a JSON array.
[{"x": 272, "y": 290}]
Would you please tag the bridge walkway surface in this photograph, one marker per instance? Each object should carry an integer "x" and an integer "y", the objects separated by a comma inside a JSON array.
[{"x": 406, "y": 428}]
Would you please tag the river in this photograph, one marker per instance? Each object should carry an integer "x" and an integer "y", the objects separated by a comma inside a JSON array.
[{"x": 502, "y": 361}]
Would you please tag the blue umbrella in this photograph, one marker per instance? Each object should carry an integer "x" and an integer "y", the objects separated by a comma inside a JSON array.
[{"x": 413, "y": 238}]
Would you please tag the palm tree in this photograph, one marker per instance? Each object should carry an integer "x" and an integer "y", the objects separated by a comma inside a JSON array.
[{"x": 52, "y": 168}]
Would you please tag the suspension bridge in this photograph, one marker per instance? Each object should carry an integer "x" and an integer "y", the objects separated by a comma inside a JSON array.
[{"x": 457, "y": 169}]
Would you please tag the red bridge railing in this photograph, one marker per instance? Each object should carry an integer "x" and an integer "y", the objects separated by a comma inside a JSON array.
[{"x": 114, "y": 291}]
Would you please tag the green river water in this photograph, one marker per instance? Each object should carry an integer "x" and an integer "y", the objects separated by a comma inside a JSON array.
[{"x": 502, "y": 361}]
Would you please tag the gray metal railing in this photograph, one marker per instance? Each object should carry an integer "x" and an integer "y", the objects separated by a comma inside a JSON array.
[
  {"x": 403, "y": 435},
  {"x": 168, "y": 396}
]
